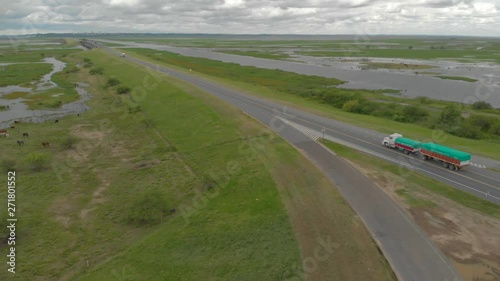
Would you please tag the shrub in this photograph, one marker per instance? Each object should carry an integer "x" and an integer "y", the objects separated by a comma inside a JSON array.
[
  {"x": 351, "y": 106},
  {"x": 468, "y": 132},
  {"x": 97, "y": 70},
  {"x": 73, "y": 69},
  {"x": 8, "y": 164},
  {"x": 112, "y": 82},
  {"x": 87, "y": 60},
  {"x": 481, "y": 105},
  {"x": 385, "y": 111},
  {"x": 414, "y": 114},
  {"x": 55, "y": 104},
  {"x": 134, "y": 109},
  {"x": 337, "y": 99},
  {"x": 481, "y": 122},
  {"x": 360, "y": 106},
  {"x": 123, "y": 90},
  {"x": 450, "y": 116},
  {"x": 37, "y": 161},
  {"x": 495, "y": 129},
  {"x": 424, "y": 100},
  {"x": 69, "y": 142},
  {"x": 148, "y": 209},
  {"x": 147, "y": 122}
]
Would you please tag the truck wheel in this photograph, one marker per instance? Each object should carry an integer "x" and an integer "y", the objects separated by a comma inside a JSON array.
[
  {"x": 406, "y": 152},
  {"x": 452, "y": 167},
  {"x": 445, "y": 164},
  {"x": 424, "y": 157}
]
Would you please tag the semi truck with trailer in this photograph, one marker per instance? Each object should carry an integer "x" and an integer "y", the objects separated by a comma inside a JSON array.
[
  {"x": 404, "y": 144},
  {"x": 449, "y": 157}
]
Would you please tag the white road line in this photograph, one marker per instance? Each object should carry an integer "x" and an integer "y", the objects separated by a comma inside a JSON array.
[
  {"x": 477, "y": 165},
  {"x": 312, "y": 134}
]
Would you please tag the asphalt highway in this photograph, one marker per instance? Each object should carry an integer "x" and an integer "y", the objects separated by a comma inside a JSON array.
[{"x": 410, "y": 253}]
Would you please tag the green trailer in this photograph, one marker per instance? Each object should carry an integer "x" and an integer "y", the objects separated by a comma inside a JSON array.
[
  {"x": 450, "y": 158},
  {"x": 407, "y": 145}
]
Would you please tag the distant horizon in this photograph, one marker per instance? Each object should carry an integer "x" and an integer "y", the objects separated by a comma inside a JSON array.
[
  {"x": 294, "y": 17},
  {"x": 238, "y": 34}
]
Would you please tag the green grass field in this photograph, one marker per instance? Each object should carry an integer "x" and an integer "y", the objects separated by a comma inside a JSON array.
[
  {"x": 168, "y": 142},
  {"x": 466, "y": 79}
]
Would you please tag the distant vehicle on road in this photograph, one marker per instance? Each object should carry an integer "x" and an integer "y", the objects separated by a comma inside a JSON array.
[
  {"x": 449, "y": 157},
  {"x": 122, "y": 55}
]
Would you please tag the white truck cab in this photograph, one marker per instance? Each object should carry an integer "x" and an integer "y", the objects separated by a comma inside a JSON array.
[{"x": 389, "y": 141}]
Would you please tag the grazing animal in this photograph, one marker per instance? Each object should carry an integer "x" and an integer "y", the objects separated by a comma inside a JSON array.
[
  {"x": 20, "y": 142},
  {"x": 17, "y": 122},
  {"x": 12, "y": 127},
  {"x": 45, "y": 144},
  {"x": 57, "y": 121},
  {"x": 25, "y": 135}
]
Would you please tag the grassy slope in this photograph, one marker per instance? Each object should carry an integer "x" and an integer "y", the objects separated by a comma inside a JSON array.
[
  {"x": 487, "y": 148},
  {"x": 78, "y": 205}
]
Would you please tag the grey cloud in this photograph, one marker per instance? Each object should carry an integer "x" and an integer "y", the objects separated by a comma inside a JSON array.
[
  {"x": 254, "y": 16},
  {"x": 441, "y": 3}
]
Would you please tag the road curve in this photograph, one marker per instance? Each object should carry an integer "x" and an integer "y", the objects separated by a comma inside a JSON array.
[{"x": 411, "y": 254}]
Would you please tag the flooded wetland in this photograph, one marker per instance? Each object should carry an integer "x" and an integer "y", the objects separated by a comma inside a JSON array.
[{"x": 30, "y": 90}]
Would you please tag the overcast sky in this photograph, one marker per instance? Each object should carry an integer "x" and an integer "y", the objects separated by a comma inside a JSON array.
[{"x": 454, "y": 17}]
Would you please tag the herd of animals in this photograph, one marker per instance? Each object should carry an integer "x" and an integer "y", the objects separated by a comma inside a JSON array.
[{"x": 5, "y": 133}]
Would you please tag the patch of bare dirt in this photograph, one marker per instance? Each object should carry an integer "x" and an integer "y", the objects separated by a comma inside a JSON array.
[
  {"x": 91, "y": 138},
  {"x": 97, "y": 196},
  {"x": 60, "y": 209},
  {"x": 470, "y": 239}
]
